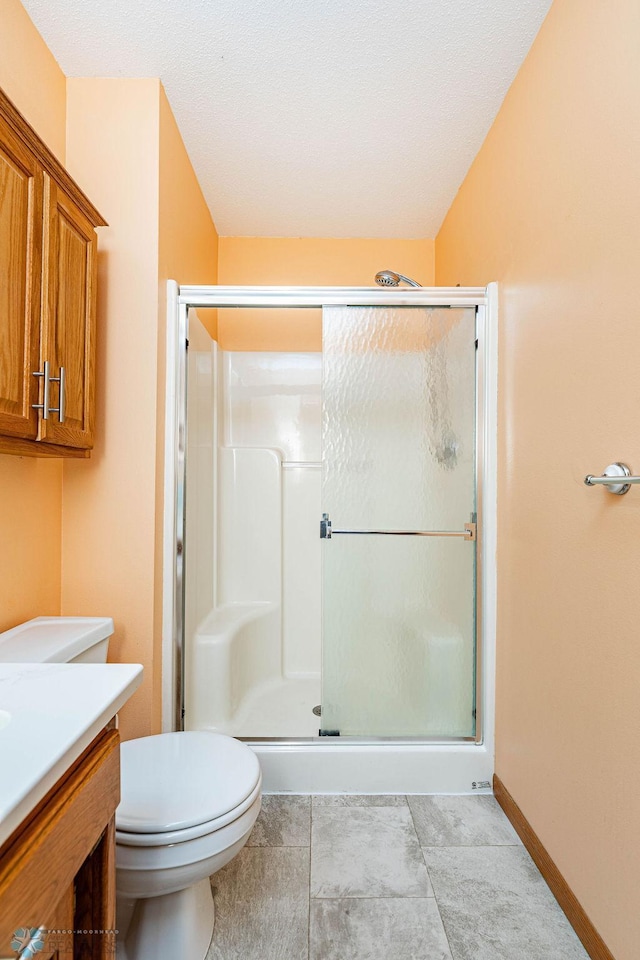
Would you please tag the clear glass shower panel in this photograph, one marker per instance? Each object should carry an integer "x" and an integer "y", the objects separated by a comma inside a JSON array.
[{"x": 399, "y": 419}]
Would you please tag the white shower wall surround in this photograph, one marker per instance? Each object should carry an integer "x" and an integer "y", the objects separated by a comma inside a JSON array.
[
  {"x": 253, "y": 665},
  {"x": 272, "y": 403}
]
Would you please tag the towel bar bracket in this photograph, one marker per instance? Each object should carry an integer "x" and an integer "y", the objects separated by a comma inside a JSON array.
[{"x": 616, "y": 478}]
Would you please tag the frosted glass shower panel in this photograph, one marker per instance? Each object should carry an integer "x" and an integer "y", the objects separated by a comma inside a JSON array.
[
  {"x": 398, "y": 637},
  {"x": 399, "y": 419}
]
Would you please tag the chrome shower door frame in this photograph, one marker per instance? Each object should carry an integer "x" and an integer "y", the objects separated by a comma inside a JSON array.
[{"x": 179, "y": 301}]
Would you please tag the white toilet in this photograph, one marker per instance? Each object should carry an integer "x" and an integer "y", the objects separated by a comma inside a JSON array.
[{"x": 188, "y": 803}]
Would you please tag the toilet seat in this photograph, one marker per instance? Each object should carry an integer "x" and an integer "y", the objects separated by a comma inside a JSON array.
[
  {"x": 166, "y": 837},
  {"x": 185, "y": 784}
]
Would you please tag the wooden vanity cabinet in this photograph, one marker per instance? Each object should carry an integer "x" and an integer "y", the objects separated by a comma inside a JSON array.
[
  {"x": 48, "y": 269},
  {"x": 58, "y": 869}
]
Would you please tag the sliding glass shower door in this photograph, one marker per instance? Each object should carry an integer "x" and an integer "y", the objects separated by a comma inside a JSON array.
[{"x": 399, "y": 521}]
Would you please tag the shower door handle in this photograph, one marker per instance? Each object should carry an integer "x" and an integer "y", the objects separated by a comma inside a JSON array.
[{"x": 327, "y": 532}]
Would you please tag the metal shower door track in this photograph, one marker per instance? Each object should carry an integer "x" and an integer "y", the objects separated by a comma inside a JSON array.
[{"x": 262, "y": 297}]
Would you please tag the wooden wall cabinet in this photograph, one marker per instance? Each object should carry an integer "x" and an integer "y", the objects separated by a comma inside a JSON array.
[
  {"x": 58, "y": 869},
  {"x": 48, "y": 269}
]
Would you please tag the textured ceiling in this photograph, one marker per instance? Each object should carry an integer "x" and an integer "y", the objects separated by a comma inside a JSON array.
[{"x": 325, "y": 118}]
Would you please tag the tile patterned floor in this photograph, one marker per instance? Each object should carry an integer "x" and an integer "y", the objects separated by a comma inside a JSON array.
[{"x": 386, "y": 878}]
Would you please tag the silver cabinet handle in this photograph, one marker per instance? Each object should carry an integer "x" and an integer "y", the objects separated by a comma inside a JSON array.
[
  {"x": 46, "y": 396},
  {"x": 327, "y": 531},
  {"x": 60, "y": 408},
  {"x": 44, "y": 406},
  {"x": 61, "y": 401}
]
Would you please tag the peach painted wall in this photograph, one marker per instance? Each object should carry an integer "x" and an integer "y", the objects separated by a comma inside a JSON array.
[
  {"x": 550, "y": 209},
  {"x": 124, "y": 149},
  {"x": 31, "y": 77},
  {"x": 188, "y": 250},
  {"x": 109, "y": 501},
  {"x": 312, "y": 262},
  {"x": 31, "y": 500}
]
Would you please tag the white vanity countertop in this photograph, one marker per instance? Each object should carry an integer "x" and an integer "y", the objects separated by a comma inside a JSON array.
[{"x": 49, "y": 713}]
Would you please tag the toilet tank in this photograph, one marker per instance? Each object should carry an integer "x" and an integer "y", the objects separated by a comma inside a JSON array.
[{"x": 57, "y": 640}]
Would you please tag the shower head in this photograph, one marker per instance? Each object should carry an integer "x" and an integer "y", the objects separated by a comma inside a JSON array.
[{"x": 387, "y": 278}]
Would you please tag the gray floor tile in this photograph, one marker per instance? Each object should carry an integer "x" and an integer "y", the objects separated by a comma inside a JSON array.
[
  {"x": 496, "y": 906},
  {"x": 398, "y": 928},
  {"x": 366, "y": 852},
  {"x": 284, "y": 821},
  {"x": 262, "y": 905},
  {"x": 460, "y": 821},
  {"x": 359, "y": 800}
]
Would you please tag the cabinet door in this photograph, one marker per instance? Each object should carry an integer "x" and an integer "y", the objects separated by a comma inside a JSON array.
[
  {"x": 21, "y": 182},
  {"x": 69, "y": 311},
  {"x": 59, "y": 941},
  {"x": 40, "y": 861}
]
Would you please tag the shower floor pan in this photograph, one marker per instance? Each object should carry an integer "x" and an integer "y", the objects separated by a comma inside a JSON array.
[
  {"x": 277, "y": 709},
  {"x": 278, "y": 722},
  {"x": 276, "y": 718}
]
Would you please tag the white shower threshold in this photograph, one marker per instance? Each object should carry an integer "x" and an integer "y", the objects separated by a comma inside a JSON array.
[{"x": 333, "y": 765}]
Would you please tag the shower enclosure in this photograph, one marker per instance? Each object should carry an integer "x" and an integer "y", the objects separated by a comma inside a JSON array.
[{"x": 329, "y": 582}]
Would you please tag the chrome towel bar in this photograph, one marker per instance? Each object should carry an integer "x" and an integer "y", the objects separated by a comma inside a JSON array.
[
  {"x": 327, "y": 532},
  {"x": 616, "y": 478}
]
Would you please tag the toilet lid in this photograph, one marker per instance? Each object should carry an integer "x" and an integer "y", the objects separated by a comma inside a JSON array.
[{"x": 173, "y": 781}]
